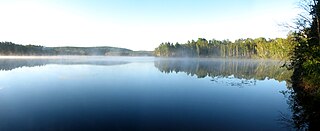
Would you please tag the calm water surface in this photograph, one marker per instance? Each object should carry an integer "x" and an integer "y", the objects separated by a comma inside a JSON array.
[{"x": 146, "y": 93}]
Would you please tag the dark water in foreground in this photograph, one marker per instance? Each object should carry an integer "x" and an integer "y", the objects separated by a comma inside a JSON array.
[{"x": 113, "y": 93}]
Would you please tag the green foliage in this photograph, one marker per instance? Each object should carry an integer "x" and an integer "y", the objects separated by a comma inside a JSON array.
[
  {"x": 278, "y": 48},
  {"x": 9, "y": 48},
  {"x": 305, "y": 58}
]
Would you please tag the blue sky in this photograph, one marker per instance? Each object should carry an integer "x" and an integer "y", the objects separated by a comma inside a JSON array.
[{"x": 140, "y": 24}]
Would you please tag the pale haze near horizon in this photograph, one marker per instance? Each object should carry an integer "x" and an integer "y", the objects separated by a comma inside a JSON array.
[{"x": 140, "y": 24}]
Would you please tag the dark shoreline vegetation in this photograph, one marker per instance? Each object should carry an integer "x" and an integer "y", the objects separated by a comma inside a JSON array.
[{"x": 12, "y": 49}]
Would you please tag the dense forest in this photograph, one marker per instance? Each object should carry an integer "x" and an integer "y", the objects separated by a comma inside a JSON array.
[
  {"x": 9, "y": 48},
  {"x": 278, "y": 48}
]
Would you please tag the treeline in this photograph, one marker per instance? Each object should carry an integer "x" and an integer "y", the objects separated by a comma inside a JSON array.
[
  {"x": 278, "y": 48},
  {"x": 9, "y": 48}
]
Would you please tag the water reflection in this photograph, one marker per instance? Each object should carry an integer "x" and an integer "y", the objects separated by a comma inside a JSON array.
[
  {"x": 305, "y": 109},
  {"x": 150, "y": 99},
  {"x": 225, "y": 71},
  {"x": 232, "y": 81},
  {"x": 247, "y": 70},
  {"x": 10, "y": 64},
  {"x": 304, "y": 105},
  {"x": 224, "y": 68}
]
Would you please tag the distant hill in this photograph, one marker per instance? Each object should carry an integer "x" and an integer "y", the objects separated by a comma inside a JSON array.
[
  {"x": 89, "y": 50},
  {"x": 9, "y": 48}
]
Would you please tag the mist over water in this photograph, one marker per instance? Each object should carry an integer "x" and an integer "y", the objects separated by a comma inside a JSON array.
[
  {"x": 141, "y": 93},
  {"x": 12, "y": 62}
]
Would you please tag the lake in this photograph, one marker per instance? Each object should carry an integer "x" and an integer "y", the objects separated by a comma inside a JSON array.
[{"x": 142, "y": 93}]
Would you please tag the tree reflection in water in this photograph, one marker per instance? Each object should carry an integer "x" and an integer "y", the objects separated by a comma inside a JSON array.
[
  {"x": 231, "y": 81},
  {"x": 225, "y": 68},
  {"x": 304, "y": 105},
  {"x": 10, "y": 64},
  {"x": 305, "y": 108}
]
